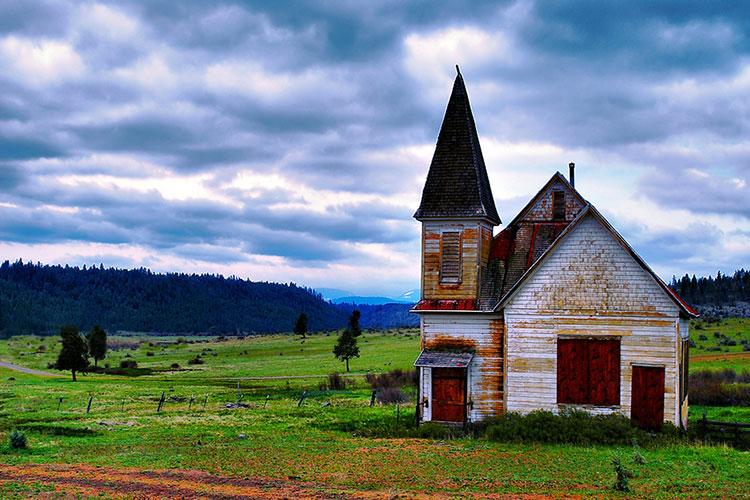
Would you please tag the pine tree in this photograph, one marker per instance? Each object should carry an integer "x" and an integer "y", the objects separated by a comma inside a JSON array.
[
  {"x": 354, "y": 323},
  {"x": 97, "y": 341},
  {"x": 346, "y": 346},
  {"x": 74, "y": 353},
  {"x": 300, "y": 327}
]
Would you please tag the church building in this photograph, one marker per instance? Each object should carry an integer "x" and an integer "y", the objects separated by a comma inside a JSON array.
[{"x": 554, "y": 311}]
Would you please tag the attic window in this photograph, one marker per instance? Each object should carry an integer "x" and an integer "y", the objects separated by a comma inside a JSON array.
[
  {"x": 450, "y": 257},
  {"x": 558, "y": 205}
]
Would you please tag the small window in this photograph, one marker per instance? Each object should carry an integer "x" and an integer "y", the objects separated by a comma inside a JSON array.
[
  {"x": 588, "y": 371},
  {"x": 558, "y": 205},
  {"x": 450, "y": 257}
]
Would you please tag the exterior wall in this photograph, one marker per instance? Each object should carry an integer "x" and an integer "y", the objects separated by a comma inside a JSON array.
[
  {"x": 542, "y": 209},
  {"x": 684, "y": 356},
  {"x": 589, "y": 286},
  {"x": 479, "y": 333},
  {"x": 476, "y": 238}
]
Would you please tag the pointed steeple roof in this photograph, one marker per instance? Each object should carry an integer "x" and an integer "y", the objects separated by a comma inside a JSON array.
[{"x": 457, "y": 183}]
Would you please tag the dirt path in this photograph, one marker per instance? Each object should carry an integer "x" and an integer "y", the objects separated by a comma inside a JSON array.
[
  {"x": 726, "y": 356},
  {"x": 23, "y": 369},
  {"x": 87, "y": 480}
]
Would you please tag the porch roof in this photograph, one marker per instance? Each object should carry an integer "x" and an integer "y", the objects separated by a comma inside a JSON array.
[{"x": 440, "y": 359}]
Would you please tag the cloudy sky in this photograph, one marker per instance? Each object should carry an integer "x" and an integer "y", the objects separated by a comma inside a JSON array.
[{"x": 290, "y": 143}]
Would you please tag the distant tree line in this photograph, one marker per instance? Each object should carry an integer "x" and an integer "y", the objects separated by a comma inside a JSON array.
[
  {"x": 720, "y": 290},
  {"x": 39, "y": 299}
]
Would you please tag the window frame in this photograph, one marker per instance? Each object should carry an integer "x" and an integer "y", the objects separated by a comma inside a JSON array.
[
  {"x": 581, "y": 381},
  {"x": 558, "y": 205},
  {"x": 458, "y": 277}
]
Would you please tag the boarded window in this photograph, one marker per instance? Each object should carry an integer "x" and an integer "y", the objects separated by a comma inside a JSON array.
[
  {"x": 558, "y": 205},
  {"x": 450, "y": 259},
  {"x": 588, "y": 371}
]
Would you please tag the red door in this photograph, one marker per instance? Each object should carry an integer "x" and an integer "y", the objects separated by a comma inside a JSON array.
[
  {"x": 647, "y": 404},
  {"x": 449, "y": 394}
]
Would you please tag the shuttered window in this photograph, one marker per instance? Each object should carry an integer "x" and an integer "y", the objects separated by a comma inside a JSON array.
[
  {"x": 588, "y": 371},
  {"x": 558, "y": 205},
  {"x": 450, "y": 257}
]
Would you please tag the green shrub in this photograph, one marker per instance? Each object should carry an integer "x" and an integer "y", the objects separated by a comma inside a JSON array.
[
  {"x": 622, "y": 475},
  {"x": 196, "y": 361},
  {"x": 571, "y": 427},
  {"x": 128, "y": 363},
  {"x": 17, "y": 440}
]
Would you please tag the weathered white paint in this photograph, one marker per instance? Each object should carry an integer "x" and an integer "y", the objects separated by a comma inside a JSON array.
[
  {"x": 589, "y": 286},
  {"x": 480, "y": 334}
]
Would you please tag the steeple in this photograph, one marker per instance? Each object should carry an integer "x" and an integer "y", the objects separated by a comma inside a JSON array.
[{"x": 457, "y": 184}]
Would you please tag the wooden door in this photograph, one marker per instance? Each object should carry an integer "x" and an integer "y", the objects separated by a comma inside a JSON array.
[
  {"x": 449, "y": 394},
  {"x": 647, "y": 404}
]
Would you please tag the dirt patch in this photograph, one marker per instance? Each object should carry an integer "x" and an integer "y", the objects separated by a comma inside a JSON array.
[
  {"x": 87, "y": 480},
  {"x": 727, "y": 356},
  {"x": 29, "y": 371}
]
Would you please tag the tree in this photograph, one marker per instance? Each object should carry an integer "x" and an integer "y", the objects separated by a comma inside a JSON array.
[
  {"x": 354, "y": 323},
  {"x": 97, "y": 340},
  {"x": 74, "y": 353},
  {"x": 346, "y": 346},
  {"x": 300, "y": 328}
]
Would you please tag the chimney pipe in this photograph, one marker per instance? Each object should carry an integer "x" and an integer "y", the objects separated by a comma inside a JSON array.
[{"x": 572, "y": 173}]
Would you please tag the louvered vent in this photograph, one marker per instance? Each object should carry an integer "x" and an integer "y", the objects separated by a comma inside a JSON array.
[
  {"x": 558, "y": 205},
  {"x": 450, "y": 262}
]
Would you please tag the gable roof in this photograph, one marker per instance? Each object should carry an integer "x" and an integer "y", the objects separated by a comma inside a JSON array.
[
  {"x": 589, "y": 209},
  {"x": 457, "y": 184},
  {"x": 557, "y": 177}
]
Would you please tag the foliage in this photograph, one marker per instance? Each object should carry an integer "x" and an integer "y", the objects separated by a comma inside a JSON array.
[
  {"x": 353, "y": 325},
  {"x": 17, "y": 440},
  {"x": 74, "y": 353},
  {"x": 335, "y": 382},
  {"x": 720, "y": 387},
  {"x": 35, "y": 298},
  {"x": 714, "y": 291},
  {"x": 391, "y": 395},
  {"x": 383, "y": 315},
  {"x": 196, "y": 361},
  {"x": 393, "y": 378},
  {"x": 572, "y": 427},
  {"x": 300, "y": 327},
  {"x": 97, "y": 342},
  {"x": 346, "y": 346},
  {"x": 622, "y": 475},
  {"x": 128, "y": 363}
]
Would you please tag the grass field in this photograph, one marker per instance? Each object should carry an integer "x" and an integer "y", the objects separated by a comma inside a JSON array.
[{"x": 318, "y": 448}]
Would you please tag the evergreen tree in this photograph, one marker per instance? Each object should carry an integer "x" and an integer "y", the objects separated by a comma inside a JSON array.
[
  {"x": 346, "y": 346},
  {"x": 74, "y": 353},
  {"x": 300, "y": 327},
  {"x": 97, "y": 341},
  {"x": 354, "y": 323}
]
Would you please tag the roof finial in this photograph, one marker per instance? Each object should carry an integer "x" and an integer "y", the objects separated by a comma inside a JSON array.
[{"x": 458, "y": 71}]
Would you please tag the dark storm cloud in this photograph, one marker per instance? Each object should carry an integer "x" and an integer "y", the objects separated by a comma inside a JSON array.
[
  {"x": 322, "y": 95},
  {"x": 699, "y": 192}
]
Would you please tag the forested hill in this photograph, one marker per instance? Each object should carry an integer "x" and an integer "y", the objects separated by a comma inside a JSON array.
[
  {"x": 723, "y": 295},
  {"x": 38, "y": 299}
]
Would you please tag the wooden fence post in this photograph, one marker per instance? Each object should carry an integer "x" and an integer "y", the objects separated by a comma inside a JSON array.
[
  {"x": 239, "y": 393},
  {"x": 161, "y": 402},
  {"x": 302, "y": 398},
  {"x": 190, "y": 405},
  {"x": 88, "y": 407},
  {"x": 268, "y": 396},
  {"x": 205, "y": 400},
  {"x": 59, "y": 402},
  {"x": 398, "y": 413},
  {"x": 372, "y": 398}
]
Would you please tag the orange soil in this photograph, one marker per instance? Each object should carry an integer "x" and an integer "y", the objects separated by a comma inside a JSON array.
[
  {"x": 728, "y": 356},
  {"x": 87, "y": 480}
]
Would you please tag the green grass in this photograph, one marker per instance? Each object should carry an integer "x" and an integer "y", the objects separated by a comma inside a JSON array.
[
  {"x": 317, "y": 443},
  {"x": 710, "y": 349}
]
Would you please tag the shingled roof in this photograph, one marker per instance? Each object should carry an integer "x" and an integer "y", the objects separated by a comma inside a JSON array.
[{"x": 457, "y": 183}]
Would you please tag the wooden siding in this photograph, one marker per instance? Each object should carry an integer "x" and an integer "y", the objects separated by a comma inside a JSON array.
[
  {"x": 481, "y": 334},
  {"x": 543, "y": 209},
  {"x": 590, "y": 286},
  {"x": 475, "y": 239}
]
